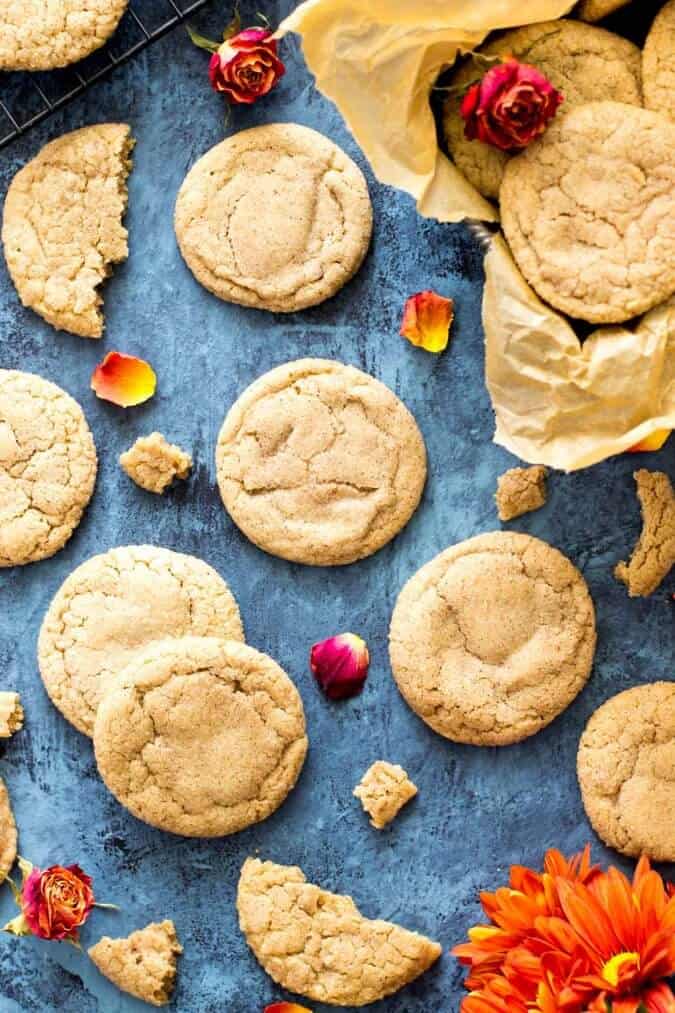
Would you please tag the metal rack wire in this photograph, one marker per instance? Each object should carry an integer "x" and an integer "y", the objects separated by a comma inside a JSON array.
[{"x": 28, "y": 98}]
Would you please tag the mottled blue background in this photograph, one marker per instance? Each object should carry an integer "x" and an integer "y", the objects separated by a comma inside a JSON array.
[{"x": 478, "y": 810}]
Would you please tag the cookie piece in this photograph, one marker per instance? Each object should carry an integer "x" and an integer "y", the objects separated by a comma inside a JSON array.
[
  {"x": 11, "y": 714},
  {"x": 47, "y": 467},
  {"x": 201, "y": 736},
  {"x": 111, "y": 607},
  {"x": 277, "y": 217},
  {"x": 519, "y": 491},
  {"x": 654, "y": 555},
  {"x": 626, "y": 768},
  {"x": 579, "y": 60},
  {"x": 493, "y": 638},
  {"x": 62, "y": 225},
  {"x": 383, "y": 790},
  {"x": 142, "y": 964},
  {"x": 44, "y": 34},
  {"x": 153, "y": 463},
  {"x": 596, "y": 10},
  {"x": 8, "y": 835},
  {"x": 319, "y": 945},
  {"x": 658, "y": 63},
  {"x": 320, "y": 463}
]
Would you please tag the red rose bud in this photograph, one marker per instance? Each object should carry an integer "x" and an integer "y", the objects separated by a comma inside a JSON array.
[
  {"x": 55, "y": 902},
  {"x": 510, "y": 106},
  {"x": 427, "y": 319},
  {"x": 286, "y": 1007},
  {"x": 246, "y": 67},
  {"x": 340, "y": 665}
]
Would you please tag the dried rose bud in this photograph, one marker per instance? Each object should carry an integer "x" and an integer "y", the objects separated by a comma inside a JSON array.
[
  {"x": 427, "y": 319},
  {"x": 340, "y": 665},
  {"x": 246, "y": 66},
  {"x": 510, "y": 106}
]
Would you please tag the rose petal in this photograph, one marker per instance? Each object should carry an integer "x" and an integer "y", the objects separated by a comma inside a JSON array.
[
  {"x": 427, "y": 319},
  {"x": 124, "y": 380},
  {"x": 340, "y": 665},
  {"x": 654, "y": 441},
  {"x": 286, "y": 1007}
]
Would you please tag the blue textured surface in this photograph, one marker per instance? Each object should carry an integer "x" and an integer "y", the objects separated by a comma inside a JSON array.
[{"x": 478, "y": 810}]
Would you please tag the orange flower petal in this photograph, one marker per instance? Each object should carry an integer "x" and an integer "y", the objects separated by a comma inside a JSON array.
[
  {"x": 652, "y": 442},
  {"x": 286, "y": 1007},
  {"x": 124, "y": 380},
  {"x": 427, "y": 319}
]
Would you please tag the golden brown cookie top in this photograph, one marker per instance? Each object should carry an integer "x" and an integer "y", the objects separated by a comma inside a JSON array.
[
  {"x": 153, "y": 463},
  {"x": 658, "y": 63},
  {"x": 44, "y": 34},
  {"x": 493, "y": 638},
  {"x": 654, "y": 555},
  {"x": 8, "y": 835},
  {"x": 596, "y": 10},
  {"x": 319, "y": 945},
  {"x": 201, "y": 736},
  {"x": 47, "y": 467},
  {"x": 142, "y": 964},
  {"x": 383, "y": 790},
  {"x": 520, "y": 490},
  {"x": 626, "y": 768}
]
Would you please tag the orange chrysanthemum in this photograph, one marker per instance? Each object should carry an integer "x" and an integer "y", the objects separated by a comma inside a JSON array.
[{"x": 573, "y": 940}]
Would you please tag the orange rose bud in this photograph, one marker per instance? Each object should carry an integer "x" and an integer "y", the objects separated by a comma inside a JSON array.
[
  {"x": 654, "y": 441},
  {"x": 340, "y": 665},
  {"x": 55, "y": 902},
  {"x": 124, "y": 380},
  {"x": 427, "y": 319},
  {"x": 286, "y": 1007}
]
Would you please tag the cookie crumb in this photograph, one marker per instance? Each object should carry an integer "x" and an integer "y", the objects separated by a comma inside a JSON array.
[
  {"x": 654, "y": 555},
  {"x": 153, "y": 463},
  {"x": 383, "y": 790},
  {"x": 520, "y": 490},
  {"x": 143, "y": 964},
  {"x": 11, "y": 714}
]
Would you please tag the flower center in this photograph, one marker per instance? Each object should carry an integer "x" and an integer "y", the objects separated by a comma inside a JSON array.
[{"x": 620, "y": 968}]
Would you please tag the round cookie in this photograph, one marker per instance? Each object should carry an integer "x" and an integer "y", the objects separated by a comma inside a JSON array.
[
  {"x": 201, "y": 736},
  {"x": 658, "y": 63},
  {"x": 44, "y": 34},
  {"x": 579, "y": 60},
  {"x": 277, "y": 217},
  {"x": 8, "y": 835},
  {"x": 626, "y": 769},
  {"x": 111, "y": 607},
  {"x": 493, "y": 638},
  {"x": 589, "y": 212},
  {"x": 47, "y": 467},
  {"x": 62, "y": 225},
  {"x": 320, "y": 463}
]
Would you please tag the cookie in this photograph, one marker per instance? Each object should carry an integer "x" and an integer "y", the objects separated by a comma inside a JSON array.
[
  {"x": 626, "y": 768},
  {"x": 111, "y": 607},
  {"x": 519, "y": 491},
  {"x": 320, "y": 463},
  {"x": 383, "y": 790},
  {"x": 62, "y": 225},
  {"x": 44, "y": 34},
  {"x": 153, "y": 463},
  {"x": 11, "y": 714},
  {"x": 277, "y": 217},
  {"x": 654, "y": 555},
  {"x": 589, "y": 212},
  {"x": 8, "y": 835},
  {"x": 319, "y": 945},
  {"x": 578, "y": 59},
  {"x": 596, "y": 10},
  {"x": 143, "y": 964},
  {"x": 493, "y": 638},
  {"x": 201, "y": 736},
  {"x": 658, "y": 63},
  {"x": 47, "y": 467}
]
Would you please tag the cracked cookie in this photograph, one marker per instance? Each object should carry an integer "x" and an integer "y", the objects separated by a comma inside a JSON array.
[
  {"x": 44, "y": 34},
  {"x": 519, "y": 491},
  {"x": 277, "y": 217},
  {"x": 626, "y": 769},
  {"x": 153, "y": 463},
  {"x": 143, "y": 964},
  {"x": 654, "y": 555},
  {"x": 493, "y": 638},
  {"x": 658, "y": 63},
  {"x": 47, "y": 467},
  {"x": 201, "y": 736},
  {"x": 111, "y": 607},
  {"x": 578, "y": 60},
  {"x": 320, "y": 463},
  {"x": 11, "y": 713},
  {"x": 596, "y": 10},
  {"x": 589, "y": 211},
  {"x": 62, "y": 225},
  {"x": 8, "y": 835},
  {"x": 383, "y": 790},
  {"x": 319, "y": 945}
]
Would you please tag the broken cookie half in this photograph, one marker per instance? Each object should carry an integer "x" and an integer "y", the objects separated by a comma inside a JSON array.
[
  {"x": 654, "y": 555},
  {"x": 319, "y": 945},
  {"x": 62, "y": 228},
  {"x": 143, "y": 964}
]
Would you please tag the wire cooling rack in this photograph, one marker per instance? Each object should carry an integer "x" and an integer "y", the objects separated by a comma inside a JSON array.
[{"x": 28, "y": 98}]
